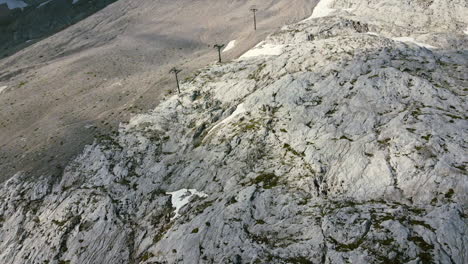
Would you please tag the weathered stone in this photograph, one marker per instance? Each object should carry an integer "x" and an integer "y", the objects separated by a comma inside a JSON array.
[{"x": 349, "y": 147}]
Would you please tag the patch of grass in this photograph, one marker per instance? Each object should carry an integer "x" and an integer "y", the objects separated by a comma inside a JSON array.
[
  {"x": 59, "y": 223},
  {"x": 108, "y": 142},
  {"x": 290, "y": 149},
  {"x": 384, "y": 142},
  {"x": 347, "y": 247},
  {"x": 460, "y": 167},
  {"x": 317, "y": 101},
  {"x": 330, "y": 112},
  {"x": 252, "y": 124},
  {"x": 378, "y": 219},
  {"x": 346, "y": 138},
  {"x": 449, "y": 194},
  {"x": 85, "y": 226},
  {"x": 416, "y": 113},
  {"x": 232, "y": 200},
  {"x": 21, "y": 84},
  {"x": 124, "y": 181},
  {"x": 422, "y": 223},
  {"x": 157, "y": 192},
  {"x": 425, "y": 249},
  {"x": 269, "y": 180},
  {"x": 255, "y": 75},
  {"x": 146, "y": 256},
  {"x": 453, "y": 116},
  {"x": 161, "y": 232},
  {"x": 387, "y": 242},
  {"x": 426, "y": 137},
  {"x": 195, "y": 230},
  {"x": 200, "y": 208}
]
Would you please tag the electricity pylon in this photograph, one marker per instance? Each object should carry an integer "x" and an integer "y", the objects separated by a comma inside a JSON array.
[
  {"x": 176, "y": 71},
  {"x": 219, "y": 47},
  {"x": 254, "y": 10}
]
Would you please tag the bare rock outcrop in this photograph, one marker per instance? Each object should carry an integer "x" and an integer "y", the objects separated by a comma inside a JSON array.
[{"x": 333, "y": 141}]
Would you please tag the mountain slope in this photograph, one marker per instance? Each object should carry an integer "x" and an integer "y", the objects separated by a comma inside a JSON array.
[
  {"x": 346, "y": 143},
  {"x": 64, "y": 90},
  {"x": 24, "y": 22}
]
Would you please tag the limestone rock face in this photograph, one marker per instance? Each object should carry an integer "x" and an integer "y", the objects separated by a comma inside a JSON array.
[{"x": 347, "y": 146}]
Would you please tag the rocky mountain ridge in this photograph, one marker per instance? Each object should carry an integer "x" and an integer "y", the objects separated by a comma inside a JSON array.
[{"x": 338, "y": 139}]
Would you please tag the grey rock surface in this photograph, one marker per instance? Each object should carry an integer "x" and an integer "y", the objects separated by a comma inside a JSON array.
[{"x": 347, "y": 146}]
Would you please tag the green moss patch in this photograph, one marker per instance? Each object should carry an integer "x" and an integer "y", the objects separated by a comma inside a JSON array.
[{"x": 268, "y": 180}]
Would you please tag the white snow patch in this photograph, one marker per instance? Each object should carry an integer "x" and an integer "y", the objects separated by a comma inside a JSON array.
[
  {"x": 182, "y": 197},
  {"x": 2, "y": 88},
  {"x": 373, "y": 34},
  {"x": 44, "y": 3},
  {"x": 322, "y": 9},
  {"x": 263, "y": 49},
  {"x": 13, "y": 4},
  {"x": 412, "y": 40},
  {"x": 239, "y": 110},
  {"x": 466, "y": 31},
  {"x": 230, "y": 45}
]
